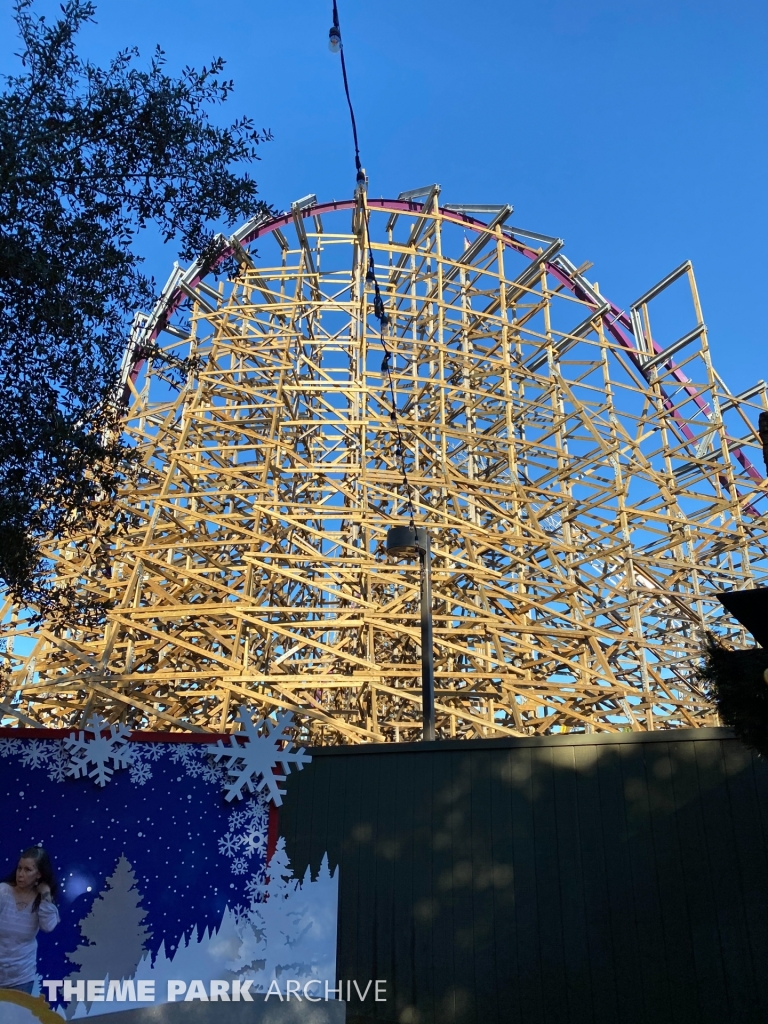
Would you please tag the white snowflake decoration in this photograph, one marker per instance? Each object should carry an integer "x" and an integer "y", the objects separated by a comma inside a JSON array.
[
  {"x": 140, "y": 773},
  {"x": 153, "y": 751},
  {"x": 57, "y": 765},
  {"x": 249, "y": 766},
  {"x": 237, "y": 819},
  {"x": 193, "y": 760},
  {"x": 46, "y": 754},
  {"x": 247, "y": 835},
  {"x": 253, "y": 841},
  {"x": 36, "y": 753},
  {"x": 99, "y": 751},
  {"x": 181, "y": 754},
  {"x": 211, "y": 773},
  {"x": 256, "y": 812},
  {"x": 8, "y": 747},
  {"x": 229, "y": 845}
]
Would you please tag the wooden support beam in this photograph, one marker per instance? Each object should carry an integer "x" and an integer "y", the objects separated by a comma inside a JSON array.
[{"x": 582, "y": 514}]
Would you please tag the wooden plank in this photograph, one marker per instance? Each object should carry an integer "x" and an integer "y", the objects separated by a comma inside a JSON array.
[
  {"x": 654, "y": 956},
  {"x": 548, "y": 890},
  {"x": 568, "y": 838},
  {"x": 743, "y": 975},
  {"x": 603, "y": 970},
  {"x": 487, "y": 885},
  {"x": 392, "y": 879},
  {"x": 363, "y": 833},
  {"x": 698, "y": 883},
  {"x": 527, "y": 941},
  {"x": 349, "y": 802},
  {"x": 741, "y": 767},
  {"x": 413, "y": 898},
  {"x": 622, "y": 897},
  {"x": 500, "y": 827},
  {"x": 670, "y": 875},
  {"x": 452, "y": 935},
  {"x": 423, "y": 937}
]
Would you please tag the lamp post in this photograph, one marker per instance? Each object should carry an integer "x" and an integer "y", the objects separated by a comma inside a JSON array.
[{"x": 406, "y": 542}]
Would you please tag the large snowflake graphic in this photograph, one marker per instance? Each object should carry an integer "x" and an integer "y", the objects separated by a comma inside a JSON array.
[
  {"x": 98, "y": 751},
  {"x": 250, "y": 766}
]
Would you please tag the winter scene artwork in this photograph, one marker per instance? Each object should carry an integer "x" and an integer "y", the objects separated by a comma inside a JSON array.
[{"x": 167, "y": 865}]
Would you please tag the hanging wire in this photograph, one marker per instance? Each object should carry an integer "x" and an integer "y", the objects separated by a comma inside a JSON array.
[
  {"x": 337, "y": 46},
  {"x": 386, "y": 368}
]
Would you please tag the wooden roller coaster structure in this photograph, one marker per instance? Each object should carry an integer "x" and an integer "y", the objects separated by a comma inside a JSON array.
[{"x": 588, "y": 488}]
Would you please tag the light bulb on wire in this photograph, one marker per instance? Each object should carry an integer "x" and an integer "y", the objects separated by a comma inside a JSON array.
[{"x": 334, "y": 39}]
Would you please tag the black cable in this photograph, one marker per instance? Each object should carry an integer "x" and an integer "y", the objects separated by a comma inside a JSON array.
[
  {"x": 378, "y": 303},
  {"x": 400, "y": 450},
  {"x": 358, "y": 165}
]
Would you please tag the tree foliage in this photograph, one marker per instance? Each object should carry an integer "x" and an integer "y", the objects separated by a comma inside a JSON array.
[
  {"x": 89, "y": 157},
  {"x": 735, "y": 681}
]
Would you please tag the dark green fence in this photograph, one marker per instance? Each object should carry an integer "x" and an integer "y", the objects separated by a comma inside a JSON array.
[{"x": 595, "y": 879}]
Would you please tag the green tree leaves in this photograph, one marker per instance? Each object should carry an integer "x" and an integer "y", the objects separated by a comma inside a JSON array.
[{"x": 90, "y": 156}]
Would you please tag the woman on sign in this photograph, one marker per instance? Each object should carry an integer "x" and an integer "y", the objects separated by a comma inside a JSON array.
[{"x": 26, "y": 905}]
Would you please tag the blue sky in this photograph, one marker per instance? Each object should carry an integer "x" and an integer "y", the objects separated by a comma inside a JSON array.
[{"x": 634, "y": 129}]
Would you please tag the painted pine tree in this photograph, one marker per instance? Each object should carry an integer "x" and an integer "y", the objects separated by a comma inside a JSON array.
[
  {"x": 114, "y": 931},
  {"x": 280, "y": 882}
]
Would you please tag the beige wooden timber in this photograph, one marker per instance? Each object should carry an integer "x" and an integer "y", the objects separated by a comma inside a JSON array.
[{"x": 586, "y": 497}]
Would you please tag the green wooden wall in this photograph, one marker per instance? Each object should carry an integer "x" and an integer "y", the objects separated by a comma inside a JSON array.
[{"x": 553, "y": 880}]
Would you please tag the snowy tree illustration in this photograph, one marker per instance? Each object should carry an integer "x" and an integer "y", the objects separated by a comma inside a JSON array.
[
  {"x": 289, "y": 930},
  {"x": 114, "y": 930},
  {"x": 280, "y": 882},
  {"x": 253, "y": 926}
]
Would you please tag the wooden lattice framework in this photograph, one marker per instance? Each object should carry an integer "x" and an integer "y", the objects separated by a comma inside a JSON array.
[{"x": 588, "y": 487}]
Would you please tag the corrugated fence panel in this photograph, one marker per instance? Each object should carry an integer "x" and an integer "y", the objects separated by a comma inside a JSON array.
[{"x": 611, "y": 879}]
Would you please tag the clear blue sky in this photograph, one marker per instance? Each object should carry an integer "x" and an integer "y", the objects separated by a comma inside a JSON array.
[{"x": 633, "y": 129}]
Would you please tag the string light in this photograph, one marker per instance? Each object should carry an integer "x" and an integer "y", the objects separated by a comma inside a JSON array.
[
  {"x": 379, "y": 311},
  {"x": 336, "y": 46}
]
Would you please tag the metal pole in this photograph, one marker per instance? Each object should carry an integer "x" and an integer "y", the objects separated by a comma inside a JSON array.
[{"x": 427, "y": 649}]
